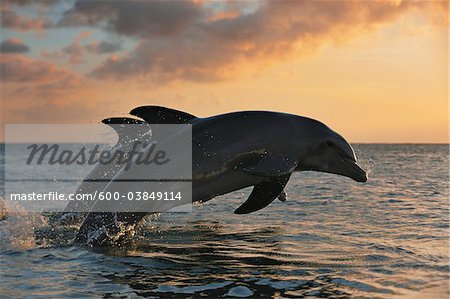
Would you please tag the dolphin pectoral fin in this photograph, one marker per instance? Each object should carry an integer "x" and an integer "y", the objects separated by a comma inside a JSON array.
[
  {"x": 162, "y": 115},
  {"x": 283, "y": 196},
  {"x": 271, "y": 166},
  {"x": 263, "y": 194}
]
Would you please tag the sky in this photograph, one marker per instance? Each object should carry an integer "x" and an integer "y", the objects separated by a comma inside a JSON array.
[{"x": 374, "y": 71}]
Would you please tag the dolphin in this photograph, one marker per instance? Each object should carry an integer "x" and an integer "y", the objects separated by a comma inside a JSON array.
[
  {"x": 237, "y": 150},
  {"x": 97, "y": 179}
]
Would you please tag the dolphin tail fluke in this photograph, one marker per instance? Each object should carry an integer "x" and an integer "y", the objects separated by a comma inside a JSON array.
[
  {"x": 263, "y": 194},
  {"x": 105, "y": 229},
  {"x": 127, "y": 133},
  {"x": 122, "y": 120},
  {"x": 162, "y": 115}
]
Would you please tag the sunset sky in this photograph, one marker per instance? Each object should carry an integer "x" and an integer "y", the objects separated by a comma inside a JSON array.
[{"x": 373, "y": 71}]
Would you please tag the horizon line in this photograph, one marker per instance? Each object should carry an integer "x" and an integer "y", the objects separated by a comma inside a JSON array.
[{"x": 351, "y": 142}]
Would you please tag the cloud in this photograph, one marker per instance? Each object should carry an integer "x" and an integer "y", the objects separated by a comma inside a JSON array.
[
  {"x": 105, "y": 47},
  {"x": 21, "y": 69},
  {"x": 13, "y": 45},
  {"x": 33, "y": 89},
  {"x": 138, "y": 18},
  {"x": 76, "y": 50},
  {"x": 11, "y": 19},
  {"x": 15, "y": 21},
  {"x": 211, "y": 41},
  {"x": 203, "y": 46}
]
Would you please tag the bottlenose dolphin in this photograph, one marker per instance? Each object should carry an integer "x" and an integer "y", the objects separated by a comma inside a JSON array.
[
  {"x": 237, "y": 150},
  {"x": 98, "y": 178}
]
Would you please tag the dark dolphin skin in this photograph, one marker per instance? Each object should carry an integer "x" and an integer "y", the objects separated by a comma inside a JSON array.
[
  {"x": 126, "y": 137},
  {"x": 237, "y": 150}
]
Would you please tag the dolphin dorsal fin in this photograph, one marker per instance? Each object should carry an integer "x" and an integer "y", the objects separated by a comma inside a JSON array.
[
  {"x": 263, "y": 194},
  {"x": 162, "y": 115},
  {"x": 127, "y": 133}
]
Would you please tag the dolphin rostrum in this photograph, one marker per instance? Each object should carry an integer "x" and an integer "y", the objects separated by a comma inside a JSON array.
[{"x": 237, "y": 150}]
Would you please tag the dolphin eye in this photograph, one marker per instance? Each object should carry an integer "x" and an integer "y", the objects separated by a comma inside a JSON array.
[{"x": 330, "y": 143}]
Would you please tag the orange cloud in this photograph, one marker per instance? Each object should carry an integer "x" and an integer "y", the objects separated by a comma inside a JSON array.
[
  {"x": 19, "y": 68},
  {"x": 76, "y": 51},
  {"x": 34, "y": 90},
  {"x": 12, "y": 20},
  {"x": 31, "y": 83},
  {"x": 204, "y": 41},
  {"x": 15, "y": 21},
  {"x": 201, "y": 48}
]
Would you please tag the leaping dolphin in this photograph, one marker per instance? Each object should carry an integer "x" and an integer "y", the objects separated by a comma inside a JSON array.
[{"x": 237, "y": 150}]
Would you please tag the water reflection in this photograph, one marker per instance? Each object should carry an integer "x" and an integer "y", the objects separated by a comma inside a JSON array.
[{"x": 331, "y": 239}]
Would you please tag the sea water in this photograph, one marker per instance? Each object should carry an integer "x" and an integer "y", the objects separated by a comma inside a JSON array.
[{"x": 332, "y": 238}]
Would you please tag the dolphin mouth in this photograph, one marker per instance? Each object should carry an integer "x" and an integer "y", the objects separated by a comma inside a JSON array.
[{"x": 354, "y": 171}]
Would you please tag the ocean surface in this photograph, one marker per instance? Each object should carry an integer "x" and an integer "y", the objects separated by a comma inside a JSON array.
[{"x": 332, "y": 238}]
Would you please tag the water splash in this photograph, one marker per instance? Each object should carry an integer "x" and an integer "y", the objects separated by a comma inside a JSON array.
[{"x": 17, "y": 230}]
